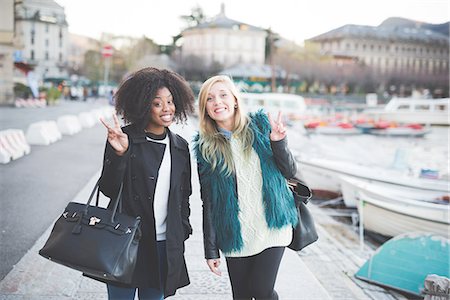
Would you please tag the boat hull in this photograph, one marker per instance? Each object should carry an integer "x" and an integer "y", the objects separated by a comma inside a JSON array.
[
  {"x": 392, "y": 218},
  {"x": 323, "y": 174},
  {"x": 404, "y": 262}
]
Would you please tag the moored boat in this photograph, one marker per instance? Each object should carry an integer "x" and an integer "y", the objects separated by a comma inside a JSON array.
[
  {"x": 351, "y": 185},
  {"x": 324, "y": 174},
  {"x": 404, "y": 262},
  {"x": 412, "y": 110},
  {"x": 389, "y": 214}
]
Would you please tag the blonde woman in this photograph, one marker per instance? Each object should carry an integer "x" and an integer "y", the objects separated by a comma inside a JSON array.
[{"x": 248, "y": 210}]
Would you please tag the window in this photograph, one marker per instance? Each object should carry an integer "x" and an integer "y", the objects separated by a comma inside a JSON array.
[
  {"x": 32, "y": 55},
  {"x": 403, "y": 107},
  {"x": 46, "y": 55},
  {"x": 422, "y": 107}
]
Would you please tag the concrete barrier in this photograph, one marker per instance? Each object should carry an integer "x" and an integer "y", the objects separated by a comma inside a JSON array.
[
  {"x": 55, "y": 134},
  {"x": 87, "y": 119},
  {"x": 105, "y": 112},
  {"x": 42, "y": 133},
  {"x": 17, "y": 138},
  {"x": 30, "y": 102},
  {"x": 68, "y": 124},
  {"x": 13, "y": 145},
  {"x": 4, "y": 155}
]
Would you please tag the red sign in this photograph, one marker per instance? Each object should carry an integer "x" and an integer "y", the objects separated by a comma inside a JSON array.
[{"x": 107, "y": 51}]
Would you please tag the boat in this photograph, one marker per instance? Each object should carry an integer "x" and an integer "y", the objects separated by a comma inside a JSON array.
[
  {"x": 413, "y": 110},
  {"x": 324, "y": 174},
  {"x": 386, "y": 213},
  {"x": 337, "y": 129},
  {"x": 404, "y": 262},
  {"x": 404, "y": 131},
  {"x": 292, "y": 106},
  {"x": 351, "y": 185}
]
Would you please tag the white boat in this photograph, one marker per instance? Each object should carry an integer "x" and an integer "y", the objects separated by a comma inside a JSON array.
[
  {"x": 412, "y": 110},
  {"x": 325, "y": 174},
  {"x": 390, "y": 214},
  {"x": 351, "y": 185},
  {"x": 292, "y": 106}
]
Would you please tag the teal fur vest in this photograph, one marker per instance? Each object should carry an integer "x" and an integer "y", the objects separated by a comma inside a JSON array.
[{"x": 220, "y": 190}]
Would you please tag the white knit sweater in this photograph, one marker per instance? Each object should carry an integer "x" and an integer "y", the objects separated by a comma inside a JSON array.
[{"x": 256, "y": 235}]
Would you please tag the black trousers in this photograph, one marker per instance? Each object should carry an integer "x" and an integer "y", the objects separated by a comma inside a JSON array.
[{"x": 254, "y": 276}]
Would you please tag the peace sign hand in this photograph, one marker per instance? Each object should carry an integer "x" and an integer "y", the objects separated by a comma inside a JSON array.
[
  {"x": 116, "y": 137},
  {"x": 278, "y": 130}
]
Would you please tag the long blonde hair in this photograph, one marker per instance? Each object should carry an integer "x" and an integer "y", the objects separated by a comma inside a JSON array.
[{"x": 212, "y": 144}]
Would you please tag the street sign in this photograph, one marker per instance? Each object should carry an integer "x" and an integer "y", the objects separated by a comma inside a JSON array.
[{"x": 107, "y": 51}]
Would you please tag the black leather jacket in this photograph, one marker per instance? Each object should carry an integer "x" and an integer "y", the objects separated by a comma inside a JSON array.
[{"x": 285, "y": 163}]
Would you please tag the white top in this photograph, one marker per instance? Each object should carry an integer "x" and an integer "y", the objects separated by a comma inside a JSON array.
[
  {"x": 256, "y": 235},
  {"x": 161, "y": 199}
]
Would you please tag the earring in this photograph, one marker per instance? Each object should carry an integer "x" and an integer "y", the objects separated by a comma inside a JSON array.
[{"x": 235, "y": 105}]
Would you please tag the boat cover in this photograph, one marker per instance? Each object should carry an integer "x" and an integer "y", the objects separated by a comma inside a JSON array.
[{"x": 403, "y": 262}]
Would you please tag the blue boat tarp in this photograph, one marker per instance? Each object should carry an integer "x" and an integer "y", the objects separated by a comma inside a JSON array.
[{"x": 403, "y": 262}]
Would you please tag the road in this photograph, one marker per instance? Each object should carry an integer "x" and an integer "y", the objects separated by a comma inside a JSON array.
[{"x": 35, "y": 189}]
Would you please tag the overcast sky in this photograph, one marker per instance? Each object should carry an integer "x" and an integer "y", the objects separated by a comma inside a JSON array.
[{"x": 296, "y": 20}]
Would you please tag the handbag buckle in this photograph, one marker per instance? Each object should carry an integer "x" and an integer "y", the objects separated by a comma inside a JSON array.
[{"x": 94, "y": 220}]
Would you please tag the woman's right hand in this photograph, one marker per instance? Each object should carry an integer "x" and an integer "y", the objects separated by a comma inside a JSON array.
[
  {"x": 116, "y": 137},
  {"x": 213, "y": 265}
]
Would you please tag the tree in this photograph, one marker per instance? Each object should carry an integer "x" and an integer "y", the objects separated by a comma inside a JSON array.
[
  {"x": 139, "y": 49},
  {"x": 195, "y": 18}
]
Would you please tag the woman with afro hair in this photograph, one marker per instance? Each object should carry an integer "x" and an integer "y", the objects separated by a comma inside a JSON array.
[{"x": 154, "y": 166}]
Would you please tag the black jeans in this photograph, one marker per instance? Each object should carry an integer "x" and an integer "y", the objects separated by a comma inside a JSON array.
[{"x": 254, "y": 276}]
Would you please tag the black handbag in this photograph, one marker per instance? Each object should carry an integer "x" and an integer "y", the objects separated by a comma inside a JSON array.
[
  {"x": 305, "y": 232},
  {"x": 102, "y": 243}
]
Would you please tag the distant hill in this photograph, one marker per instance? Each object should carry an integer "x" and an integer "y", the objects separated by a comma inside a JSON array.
[{"x": 402, "y": 22}]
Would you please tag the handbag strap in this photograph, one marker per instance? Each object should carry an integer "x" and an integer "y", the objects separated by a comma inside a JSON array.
[
  {"x": 300, "y": 189},
  {"x": 117, "y": 200}
]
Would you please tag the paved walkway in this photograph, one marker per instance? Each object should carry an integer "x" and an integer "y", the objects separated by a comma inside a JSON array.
[{"x": 37, "y": 278}]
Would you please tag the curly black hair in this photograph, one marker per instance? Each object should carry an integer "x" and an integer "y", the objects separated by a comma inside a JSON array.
[{"x": 137, "y": 91}]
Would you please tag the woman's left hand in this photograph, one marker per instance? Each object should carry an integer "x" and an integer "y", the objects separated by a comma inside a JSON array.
[{"x": 278, "y": 130}]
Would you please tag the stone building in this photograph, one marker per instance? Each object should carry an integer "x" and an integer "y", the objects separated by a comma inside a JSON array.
[
  {"x": 7, "y": 46},
  {"x": 224, "y": 41},
  {"x": 42, "y": 28},
  {"x": 397, "y": 46}
]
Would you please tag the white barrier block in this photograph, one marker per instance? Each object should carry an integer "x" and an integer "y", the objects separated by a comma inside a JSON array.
[
  {"x": 4, "y": 155},
  {"x": 12, "y": 149},
  {"x": 86, "y": 119},
  {"x": 41, "y": 133},
  {"x": 68, "y": 124},
  {"x": 52, "y": 128},
  {"x": 16, "y": 137}
]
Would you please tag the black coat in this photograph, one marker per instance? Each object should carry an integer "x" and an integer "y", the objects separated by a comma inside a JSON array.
[{"x": 138, "y": 168}]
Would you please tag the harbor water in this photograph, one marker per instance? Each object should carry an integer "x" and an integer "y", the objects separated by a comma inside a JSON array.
[{"x": 408, "y": 154}]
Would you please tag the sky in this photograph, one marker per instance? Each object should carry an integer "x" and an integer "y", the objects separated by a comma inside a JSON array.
[{"x": 295, "y": 20}]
